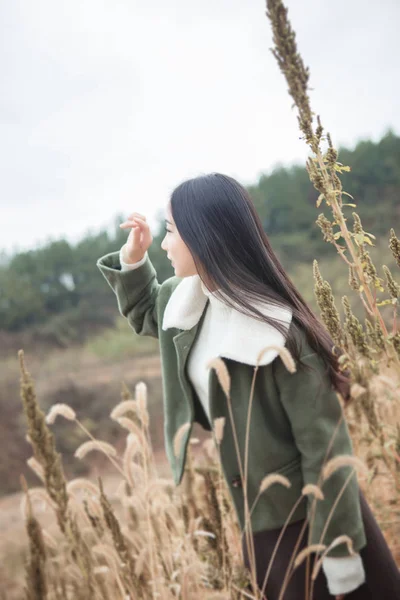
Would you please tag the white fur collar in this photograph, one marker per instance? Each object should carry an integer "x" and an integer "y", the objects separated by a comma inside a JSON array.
[{"x": 245, "y": 336}]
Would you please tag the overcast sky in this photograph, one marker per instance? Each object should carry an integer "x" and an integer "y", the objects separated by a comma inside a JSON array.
[{"x": 105, "y": 106}]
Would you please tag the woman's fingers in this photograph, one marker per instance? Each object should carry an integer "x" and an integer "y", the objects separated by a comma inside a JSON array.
[
  {"x": 132, "y": 222},
  {"x": 136, "y": 237},
  {"x": 136, "y": 214},
  {"x": 147, "y": 238}
]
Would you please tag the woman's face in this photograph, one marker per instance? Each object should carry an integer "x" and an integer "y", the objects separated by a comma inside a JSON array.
[{"x": 176, "y": 249}]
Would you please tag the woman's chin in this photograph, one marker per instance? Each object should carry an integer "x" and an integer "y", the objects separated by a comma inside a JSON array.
[{"x": 178, "y": 272}]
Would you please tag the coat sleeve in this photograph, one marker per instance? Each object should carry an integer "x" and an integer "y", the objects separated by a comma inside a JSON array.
[
  {"x": 137, "y": 292},
  {"x": 318, "y": 423}
]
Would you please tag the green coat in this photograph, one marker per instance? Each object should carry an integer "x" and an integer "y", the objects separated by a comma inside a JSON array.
[{"x": 293, "y": 416}]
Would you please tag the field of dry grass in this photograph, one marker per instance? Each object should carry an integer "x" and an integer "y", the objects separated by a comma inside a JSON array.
[{"x": 142, "y": 537}]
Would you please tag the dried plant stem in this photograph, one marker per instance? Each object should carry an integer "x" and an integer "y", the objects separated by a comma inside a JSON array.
[
  {"x": 87, "y": 432},
  {"x": 42, "y": 441},
  {"x": 275, "y": 550},
  {"x": 289, "y": 570},
  {"x": 220, "y": 368},
  {"x": 338, "y": 214},
  {"x": 319, "y": 482},
  {"x": 323, "y": 168},
  {"x": 155, "y": 592},
  {"x": 247, "y": 516},
  {"x": 222, "y": 532},
  {"x": 37, "y": 588},
  {"x": 242, "y": 592},
  {"x": 247, "y": 530},
  {"x": 328, "y": 520}
]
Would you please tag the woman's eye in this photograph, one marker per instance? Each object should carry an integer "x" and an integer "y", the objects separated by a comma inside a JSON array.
[{"x": 167, "y": 230}]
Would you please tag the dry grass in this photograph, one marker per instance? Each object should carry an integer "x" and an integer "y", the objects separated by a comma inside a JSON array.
[
  {"x": 153, "y": 540},
  {"x": 149, "y": 539}
]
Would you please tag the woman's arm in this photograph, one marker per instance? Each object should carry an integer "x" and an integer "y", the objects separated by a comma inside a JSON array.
[
  {"x": 133, "y": 278},
  {"x": 136, "y": 288}
]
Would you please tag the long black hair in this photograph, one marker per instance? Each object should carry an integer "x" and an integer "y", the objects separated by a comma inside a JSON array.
[{"x": 217, "y": 220}]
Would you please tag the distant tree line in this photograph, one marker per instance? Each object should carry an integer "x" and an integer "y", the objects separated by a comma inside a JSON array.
[{"x": 58, "y": 290}]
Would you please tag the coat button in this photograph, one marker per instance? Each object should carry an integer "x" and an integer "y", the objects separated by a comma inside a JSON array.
[{"x": 236, "y": 481}]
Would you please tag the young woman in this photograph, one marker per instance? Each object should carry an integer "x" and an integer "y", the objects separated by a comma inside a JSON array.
[{"x": 231, "y": 298}]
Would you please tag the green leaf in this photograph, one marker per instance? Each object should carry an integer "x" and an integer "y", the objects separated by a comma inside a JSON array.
[
  {"x": 340, "y": 168},
  {"x": 359, "y": 238},
  {"x": 384, "y": 302},
  {"x": 366, "y": 239}
]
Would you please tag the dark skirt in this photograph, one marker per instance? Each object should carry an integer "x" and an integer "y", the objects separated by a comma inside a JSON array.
[{"x": 382, "y": 574}]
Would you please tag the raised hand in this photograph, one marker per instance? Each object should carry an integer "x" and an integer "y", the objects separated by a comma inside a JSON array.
[{"x": 139, "y": 239}]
